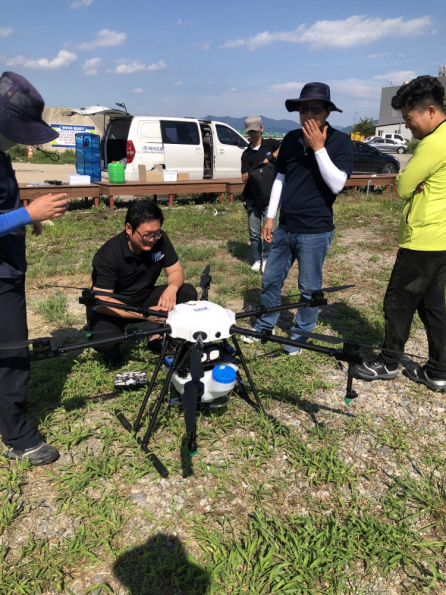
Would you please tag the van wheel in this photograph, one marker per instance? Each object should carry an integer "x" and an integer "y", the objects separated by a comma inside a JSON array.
[{"x": 389, "y": 168}]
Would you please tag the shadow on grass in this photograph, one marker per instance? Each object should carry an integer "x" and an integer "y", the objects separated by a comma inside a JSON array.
[
  {"x": 240, "y": 250},
  {"x": 161, "y": 566}
]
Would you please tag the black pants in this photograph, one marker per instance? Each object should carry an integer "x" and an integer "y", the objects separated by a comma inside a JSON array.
[
  {"x": 104, "y": 325},
  {"x": 14, "y": 367},
  {"x": 417, "y": 283}
]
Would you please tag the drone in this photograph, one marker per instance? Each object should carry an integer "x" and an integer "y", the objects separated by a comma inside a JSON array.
[{"x": 198, "y": 358}]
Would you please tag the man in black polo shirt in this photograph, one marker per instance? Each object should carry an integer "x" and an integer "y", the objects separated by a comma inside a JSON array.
[
  {"x": 130, "y": 264},
  {"x": 259, "y": 151},
  {"x": 312, "y": 167}
]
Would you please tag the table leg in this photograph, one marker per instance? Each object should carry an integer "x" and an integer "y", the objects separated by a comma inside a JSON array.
[
  {"x": 231, "y": 198},
  {"x": 111, "y": 202},
  {"x": 86, "y": 201},
  {"x": 170, "y": 200},
  {"x": 96, "y": 202},
  {"x": 222, "y": 197},
  {"x": 155, "y": 198},
  {"x": 25, "y": 202}
]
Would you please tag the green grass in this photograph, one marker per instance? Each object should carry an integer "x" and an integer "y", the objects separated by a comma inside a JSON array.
[{"x": 283, "y": 512}]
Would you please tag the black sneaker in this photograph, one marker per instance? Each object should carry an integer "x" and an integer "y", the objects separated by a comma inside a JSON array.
[
  {"x": 415, "y": 372},
  {"x": 41, "y": 454},
  {"x": 374, "y": 369}
]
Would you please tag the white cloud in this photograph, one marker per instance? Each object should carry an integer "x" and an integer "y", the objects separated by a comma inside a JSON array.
[
  {"x": 91, "y": 63},
  {"x": 80, "y": 3},
  {"x": 233, "y": 90},
  {"x": 204, "y": 45},
  {"x": 397, "y": 77},
  {"x": 287, "y": 88},
  {"x": 62, "y": 60},
  {"x": 104, "y": 38},
  {"x": 90, "y": 72},
  {"x": 355, "y": 30},
  {"x": 138, "y": 90},
  {"x": 5, "y": 32},
  {"x": 354, "y": 87},
  {"x": 373, "y": 56},
  {"x": 179, "y": 22},
  {"x": 178, "y": 84},
  {"x": 138, "y": 67}
]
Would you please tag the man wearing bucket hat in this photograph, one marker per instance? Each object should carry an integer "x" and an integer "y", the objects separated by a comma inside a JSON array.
[
  {"x": 21, "y": 108},
  {"x": 312, "y": 167}
]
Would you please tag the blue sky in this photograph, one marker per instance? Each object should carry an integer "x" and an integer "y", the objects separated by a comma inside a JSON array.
[{"x": 226, "y": 59}]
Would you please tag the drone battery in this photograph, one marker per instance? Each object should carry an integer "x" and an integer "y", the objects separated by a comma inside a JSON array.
[{"x": 131, "y": 380}]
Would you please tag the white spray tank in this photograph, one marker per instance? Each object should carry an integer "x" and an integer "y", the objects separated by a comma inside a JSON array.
[{"x": 218, "y": 382}]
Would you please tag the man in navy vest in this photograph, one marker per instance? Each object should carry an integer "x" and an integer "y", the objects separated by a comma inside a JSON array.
[
  {"x": 21, "y": 108},
  {"x": 312, "y": 167}
]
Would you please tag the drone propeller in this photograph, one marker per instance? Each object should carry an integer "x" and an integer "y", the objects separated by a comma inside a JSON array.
[
  {"x": 95, "y": 292},
  {"x": 338, "y": 340},
  {"x": 190, "y": 395},
  {"x": 325, "y": 290},
  {"x": 205, "y": 282}
]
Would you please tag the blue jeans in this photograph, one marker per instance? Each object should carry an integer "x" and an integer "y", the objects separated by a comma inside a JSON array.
[
  {"x": 255, "y": 227},
  {"x": 309, "y": 250}
]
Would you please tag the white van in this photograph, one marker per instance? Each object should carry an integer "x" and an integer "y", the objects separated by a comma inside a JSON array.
[{"x": 202, "y": 148}]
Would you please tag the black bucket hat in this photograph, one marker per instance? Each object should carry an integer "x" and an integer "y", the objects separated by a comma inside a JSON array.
[
  {"x": 21, "y": 108},
  {"x": 312, "y": 91}
]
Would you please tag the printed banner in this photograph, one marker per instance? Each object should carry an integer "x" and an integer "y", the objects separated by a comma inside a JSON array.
[{"x": 66, "y": 134}]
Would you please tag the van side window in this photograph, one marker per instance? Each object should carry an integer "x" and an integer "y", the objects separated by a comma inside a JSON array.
[
  {"x": 180, "y": 133},
  {"x": 227, "y": 136}
]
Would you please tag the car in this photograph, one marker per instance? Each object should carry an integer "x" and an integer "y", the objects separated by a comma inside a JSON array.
[
  {"x": 395, "y": 137},
  {"x": 367, "y": 160},
  {"x": 387, "y": 145}
]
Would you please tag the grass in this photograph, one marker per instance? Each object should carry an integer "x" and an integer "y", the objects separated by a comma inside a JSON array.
[{"x": 258, "y": 510}]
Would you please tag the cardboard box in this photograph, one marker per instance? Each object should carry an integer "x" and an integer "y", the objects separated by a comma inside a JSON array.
[
  {"x": 154, "y": 176},
  {"x": 182, "y": 177},
  {"x": 158, "y": 167},
  {"x": 142, "y": 173}
]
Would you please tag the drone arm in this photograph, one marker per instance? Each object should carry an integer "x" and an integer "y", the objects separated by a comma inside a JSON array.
[
  {"x": 126, "y": 311},
  {"x": 37, "y": 355}
]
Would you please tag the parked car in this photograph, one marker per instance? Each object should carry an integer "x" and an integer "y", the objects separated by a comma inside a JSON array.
[
  {"x": 367, "y": 160},
  {"x": 202, "y": 148},
  {"x": 395, "y": 137},
  {"x": 387, "y": 146}
]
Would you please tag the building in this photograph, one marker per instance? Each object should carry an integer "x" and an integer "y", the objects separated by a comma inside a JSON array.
[{"x": 389, "y": 119}]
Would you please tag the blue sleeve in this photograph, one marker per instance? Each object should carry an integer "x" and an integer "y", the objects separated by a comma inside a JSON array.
[{"x": 14, "y": 220}]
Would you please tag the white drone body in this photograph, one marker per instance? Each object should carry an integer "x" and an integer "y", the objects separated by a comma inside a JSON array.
[{"x": 191, "y": 319}]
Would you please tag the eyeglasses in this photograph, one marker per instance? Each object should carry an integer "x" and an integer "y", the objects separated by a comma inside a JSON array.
[
  {"x": 148, "y": 237},
  {"x": 314, "y": 109}
]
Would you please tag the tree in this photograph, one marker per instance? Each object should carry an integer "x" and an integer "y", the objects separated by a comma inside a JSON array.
[{"x": 365, "y": 126}]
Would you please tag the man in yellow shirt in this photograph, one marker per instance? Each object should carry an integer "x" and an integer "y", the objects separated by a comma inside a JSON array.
[{"x": 418, "y": 279}]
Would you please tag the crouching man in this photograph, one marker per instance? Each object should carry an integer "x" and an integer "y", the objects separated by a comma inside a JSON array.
[{"x": 130, "y": 264}]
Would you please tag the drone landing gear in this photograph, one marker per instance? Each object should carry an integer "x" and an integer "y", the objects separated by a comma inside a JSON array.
[{"x": 144, "y": 441}]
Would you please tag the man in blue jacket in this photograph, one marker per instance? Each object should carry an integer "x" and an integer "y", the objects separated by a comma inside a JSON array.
[
  {"x": 312, "y": 167},
  {"x": 21, "y": 109}
]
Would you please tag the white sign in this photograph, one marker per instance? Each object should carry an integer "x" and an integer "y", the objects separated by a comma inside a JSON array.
[{"x": 67, "y": 134}]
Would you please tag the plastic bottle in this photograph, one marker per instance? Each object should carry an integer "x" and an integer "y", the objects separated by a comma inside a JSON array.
[{"x": 116, "y": 172}]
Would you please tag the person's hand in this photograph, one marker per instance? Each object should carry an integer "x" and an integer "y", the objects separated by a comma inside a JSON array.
[
  {"x": 48, "y": 207},
  {"x": 268, "y": 230},
  {"x": 37, "y": 228},
  {"x": 168, "y": 298},
  {"x": 155, "y": 318},
  {"x": 420, "y": 187},
  {"x": 313, "y": 136}
]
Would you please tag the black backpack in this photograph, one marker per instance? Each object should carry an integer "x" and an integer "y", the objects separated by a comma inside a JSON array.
[{"x": 261, "y": 180}]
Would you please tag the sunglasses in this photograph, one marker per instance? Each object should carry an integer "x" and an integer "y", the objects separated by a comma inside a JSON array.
[{"x": 314, "y": 109}]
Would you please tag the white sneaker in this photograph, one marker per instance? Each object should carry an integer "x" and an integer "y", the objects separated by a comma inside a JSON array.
[
  {"x": 256, "y": 266},
  {"x": 264, "y": 265},
  {"x": 246, "y": 339}
]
